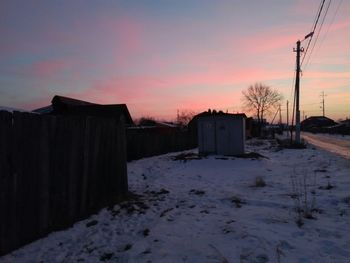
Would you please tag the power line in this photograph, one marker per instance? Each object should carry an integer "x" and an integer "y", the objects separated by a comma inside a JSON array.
[
  {"x": 317, "y": 15},
  {"x": 330, "y": 24},
  {"x": 298, "y": 51},
  {"x": 330, "y": 111},
  {"x": 313, "y": 29},
  {"x": 318, "y": 33},
  {"x": 309, "y": 104}
]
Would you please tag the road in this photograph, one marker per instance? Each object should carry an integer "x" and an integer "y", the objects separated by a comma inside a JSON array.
[{"x": 334, "y": 145}]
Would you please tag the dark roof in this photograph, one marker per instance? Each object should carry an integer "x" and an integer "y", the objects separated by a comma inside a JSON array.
[
  {"x": 68, "y": 106},
  {"x": 317, "y": 121},
  {"x": 111, "y": 110},
  {"x": 318, "y": 118},
  {"x": 44, "y": 110},
  {"x": 219, "y": 113},
  {"x": 70, "y": 101},
  {"x": 221, "y": 116}
]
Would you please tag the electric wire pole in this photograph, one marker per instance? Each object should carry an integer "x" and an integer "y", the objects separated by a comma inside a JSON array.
[
  {"x": 323, "y": 109},
  {"x": 298, "y": 50},
  {"x": 279, "y": 108},
  {"x": 287, "y": 114}
]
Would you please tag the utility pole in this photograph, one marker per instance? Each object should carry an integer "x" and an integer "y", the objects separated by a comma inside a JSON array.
[
  {"x": 279, "y": 108},
  {"x": 323, "y": 109},
  {"x": 298, "y": 50},
  {"x": 287, "y": 113}
]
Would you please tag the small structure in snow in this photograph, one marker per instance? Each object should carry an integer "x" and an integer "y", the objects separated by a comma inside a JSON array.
[{"x": 221, "y": 134}]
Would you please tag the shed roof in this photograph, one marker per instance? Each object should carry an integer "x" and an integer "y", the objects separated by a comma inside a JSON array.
[{"x": 220, "y": 113}]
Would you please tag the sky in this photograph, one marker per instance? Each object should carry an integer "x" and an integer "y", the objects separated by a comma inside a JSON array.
[{"x": 162, "y": 56}]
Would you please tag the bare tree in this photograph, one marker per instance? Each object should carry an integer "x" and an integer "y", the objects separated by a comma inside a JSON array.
[
  {"x": 260, "y": 99},
  {"x": 146, "y": 121},
  {"x": 184, "y": 117}
]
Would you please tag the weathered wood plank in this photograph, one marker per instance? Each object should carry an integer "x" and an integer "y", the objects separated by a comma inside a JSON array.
[
  {"x": 55, "y": 170},
  {"x": 6, "y": 182},
  {"x": 44, "y": 175},
  {"x": 75, "y": 166}
]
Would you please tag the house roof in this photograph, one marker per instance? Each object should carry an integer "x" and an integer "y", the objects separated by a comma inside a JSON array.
[
  {"x": 317, "y": 121},
  {"x": 111, "y": 110},
  {"x": 68, "y": 106},
  {"x": 70, "y": 101},
  {"x": 44, "y": 110},
  {"x": 318, "y": 118}
]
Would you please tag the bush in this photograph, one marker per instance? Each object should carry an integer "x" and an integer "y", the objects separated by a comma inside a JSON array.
[
  {"x": 259, "y": 182},
  {"x": 304, "y": 203}
]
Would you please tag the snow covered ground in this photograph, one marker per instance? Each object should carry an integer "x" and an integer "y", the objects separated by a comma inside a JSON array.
[
  {"x": 337, "y": 145},
  {"x": 216, "y": 209},
  {"x": 334, "y": 136}
]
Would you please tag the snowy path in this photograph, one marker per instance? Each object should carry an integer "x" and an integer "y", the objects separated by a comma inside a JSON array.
[
  {"x": 209, "y": 210},
  {"x": 334, "y": 145}
]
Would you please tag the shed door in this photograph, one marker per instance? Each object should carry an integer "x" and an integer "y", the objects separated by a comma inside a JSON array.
[
  {"x": 223, "y": 137},
  {"x": 207, "y": 137},
  {"x": 230, "y": 137}
]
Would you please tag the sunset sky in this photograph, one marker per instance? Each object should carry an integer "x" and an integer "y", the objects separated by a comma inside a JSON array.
[{"x": 160, "y": 56}]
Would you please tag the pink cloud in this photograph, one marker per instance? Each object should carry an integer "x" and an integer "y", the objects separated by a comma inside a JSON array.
[
  {"x": 273, "y": 40},
  {"x": 191, "y": 76},
  {"x": 49, "y": 68},
  {"x": 225, "y": 77},
  {"x": 270, "y": 41},
  {"x": 326, "y": 75},
  {"x": 196, "y": 91},
  {"x": 340, "y": 25}
]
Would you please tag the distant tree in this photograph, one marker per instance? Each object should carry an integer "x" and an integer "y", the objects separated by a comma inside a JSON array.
[
  {"x": 184, "y": 117},
  {"x": 260, "y": 99},
  {"x": 146, "y": 121}
]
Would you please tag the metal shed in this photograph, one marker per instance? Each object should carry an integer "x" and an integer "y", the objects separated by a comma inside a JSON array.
[{"x": 221, "y": 134}]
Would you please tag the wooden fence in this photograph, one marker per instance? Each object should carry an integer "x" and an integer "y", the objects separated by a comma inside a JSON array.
[
  {"x": 146, "y": 142},
  {"x": 56, "y": 170}
]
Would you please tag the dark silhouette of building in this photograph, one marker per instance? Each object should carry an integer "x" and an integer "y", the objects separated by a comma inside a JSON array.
[
  {"x": 68, "y": 106},
  {"x": 314, "y": 123}
]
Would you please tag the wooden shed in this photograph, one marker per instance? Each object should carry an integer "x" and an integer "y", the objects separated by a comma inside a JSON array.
[{"x": 221, "y": 134}]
